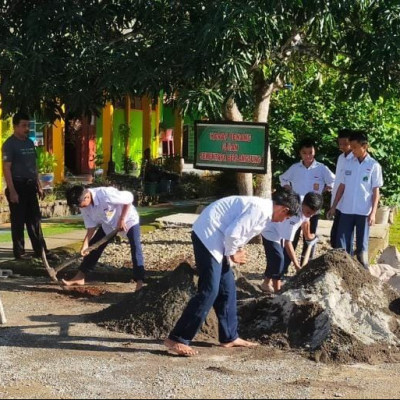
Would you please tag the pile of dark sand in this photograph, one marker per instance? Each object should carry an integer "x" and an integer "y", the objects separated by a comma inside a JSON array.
[
  {"x": 333, "y": 308},
  {"x": 154, "y": 310}
]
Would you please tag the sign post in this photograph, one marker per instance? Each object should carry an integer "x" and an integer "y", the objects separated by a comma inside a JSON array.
[{"x": 238, "y": 146}]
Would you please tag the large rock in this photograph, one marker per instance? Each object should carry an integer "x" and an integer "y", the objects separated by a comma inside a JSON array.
[
  {"x": 334, "y": 308},
  {"x": 390, "y": 256}
]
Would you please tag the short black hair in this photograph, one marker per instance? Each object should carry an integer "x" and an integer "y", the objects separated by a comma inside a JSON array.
[
  {"x": 19, "y": 116},
  {"x": 74, "y": 195},
  {"x": 306, "y": 143},
  {"x": 288, "y": 198},
  {"x": 313, "y": 200},
  {"x": 344, "y": 133},
  {"x": 359, "y": 136}
]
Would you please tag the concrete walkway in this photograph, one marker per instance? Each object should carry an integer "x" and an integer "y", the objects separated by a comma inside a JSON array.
[{"x": 61, "y": 240}]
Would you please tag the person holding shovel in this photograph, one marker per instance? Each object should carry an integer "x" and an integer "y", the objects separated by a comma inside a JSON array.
[
  {"x": 105, "y": 209},
  {"x": 218, "y": 237}
]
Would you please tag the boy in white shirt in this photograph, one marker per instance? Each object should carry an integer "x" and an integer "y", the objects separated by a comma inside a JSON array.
[
  {"x": 308, "y": 175},
  {"x": 278, "y": 256},
  {"x": 358, "y": 192},
  {"x": 218, "y": 236},
  {"x": 347, "y": 154},
  {"x": 105, "y": 209}
]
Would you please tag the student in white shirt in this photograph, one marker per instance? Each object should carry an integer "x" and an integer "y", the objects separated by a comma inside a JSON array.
[
  {"x": 218, "y": 237},
  {"x": 308, "y": 175},
  {"x": 358, "y": 192},
  {"x": 347, "y": 154},
  {"x": 103, "y": 210},
  {"x": 278, "y": 256}
]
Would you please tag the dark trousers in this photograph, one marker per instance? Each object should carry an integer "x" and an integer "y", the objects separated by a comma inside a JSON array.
[
  {"x": 313, "y": 229},
  {"x": 334, "y": 229},
  {"x": 345, "y": 236},
  {"x": 216, "y": 288},
  {"x": 89, "y": 261},
  {"x": 275, "y": 259},
  {"x": 26, "y": 212}
]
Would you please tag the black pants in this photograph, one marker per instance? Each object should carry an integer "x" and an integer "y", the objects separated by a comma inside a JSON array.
[
  {"x": 313, "y": 229},
  {"x": 334, "y": 230},
  {"x": 26, "y": 212},
  {"x": 89, "y": 261}
]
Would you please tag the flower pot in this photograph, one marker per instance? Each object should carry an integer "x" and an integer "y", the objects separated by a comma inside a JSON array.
[
  {"x": 165, "y": 186},
  {"x": 382, "y": 215},
  {"x": 46, "y": 180},
  {"x": 150, "y": 188}
]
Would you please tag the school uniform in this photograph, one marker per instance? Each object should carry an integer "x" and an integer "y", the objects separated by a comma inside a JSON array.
[
  {"x": 274, "y": 237},
  {"x": 304, "y": 180},
  {"x": 356, "y": 204},
  {"x": 341, "y": 161},
  {"x": 104, "y": 212},
  {"x": 219, "y": 232}
]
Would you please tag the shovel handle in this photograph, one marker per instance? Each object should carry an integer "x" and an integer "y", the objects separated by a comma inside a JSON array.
[{"x": 94, "y": 246}]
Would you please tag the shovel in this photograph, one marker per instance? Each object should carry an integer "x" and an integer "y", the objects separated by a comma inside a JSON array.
[{"x": 54, "y": 271}]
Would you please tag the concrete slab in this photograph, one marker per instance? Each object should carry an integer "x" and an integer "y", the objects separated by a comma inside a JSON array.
[
  {"x": 179, "y": 219},
  {"x": 378, "y": 236}
]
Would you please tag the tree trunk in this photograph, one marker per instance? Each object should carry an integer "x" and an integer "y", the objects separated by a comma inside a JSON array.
[
  {"x": 263, "y": 93},
  {"x": 244, "y": 180}
]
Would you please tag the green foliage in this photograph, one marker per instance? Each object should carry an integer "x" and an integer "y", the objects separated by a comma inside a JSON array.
[
  {"x": 47, "y": 162},
  {"x": 394, "y": 233},
  {"x": 124, "y": 131},
  {"x": 86, "y": 53},
  {"x": 172, "y": 163},
  {"x": 129, "y": 164},
  {"x": 318, "y": 112},
  {"x": 99, "y": 160}
]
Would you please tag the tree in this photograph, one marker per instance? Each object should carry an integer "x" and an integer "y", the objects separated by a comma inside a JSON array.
[
  {"x": 228, "y": 58},
  {"x": 221, "y": 59}
]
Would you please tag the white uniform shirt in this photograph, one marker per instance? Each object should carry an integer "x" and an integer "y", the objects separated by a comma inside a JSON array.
[
  {"x": 341, "y": 161},
  {"x": 229, "y": 223},
  {"x": 276, "y": 231},
  {"x": 311, "y": 179},
  {"x": 359, "y": 180},
  {"x": 107, "y": 208}
]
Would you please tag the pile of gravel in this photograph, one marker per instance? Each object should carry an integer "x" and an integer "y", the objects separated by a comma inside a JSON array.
[{"x": 333, "y": 308}]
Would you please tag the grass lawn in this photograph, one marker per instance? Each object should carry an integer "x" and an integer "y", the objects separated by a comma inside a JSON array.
[
  {"x": 147, "y": 216},
  {"x": 49, "y": 229},
  {"x": 394, "y": 233}
]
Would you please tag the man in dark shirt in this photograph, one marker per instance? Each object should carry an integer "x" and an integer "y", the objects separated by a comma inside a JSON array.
[{"x": 23, "y": 187}]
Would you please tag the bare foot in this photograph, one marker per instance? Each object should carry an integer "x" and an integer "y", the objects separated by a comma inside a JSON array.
[
  {"x": 267, "y": 287},
  {"x": 179, "y": 348},
  {"x": 239, "y": 343},
  {"x": 78, "y": 279},
  {"x": 139, "y": 285}
]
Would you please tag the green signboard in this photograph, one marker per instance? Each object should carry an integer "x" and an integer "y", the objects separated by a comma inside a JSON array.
[{"x": 239, "y": 146}]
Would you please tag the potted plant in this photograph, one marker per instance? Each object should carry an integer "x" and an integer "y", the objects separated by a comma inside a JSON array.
[
  {"x": 98, "y": 162},
  {"x": 47, "y": 162},
  {"x": 386, "y": 210}
]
